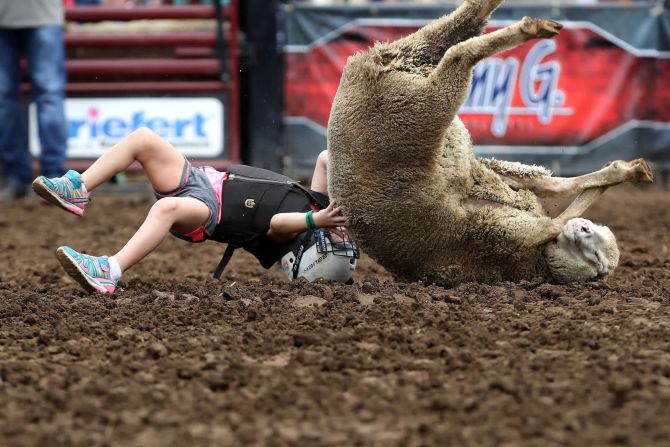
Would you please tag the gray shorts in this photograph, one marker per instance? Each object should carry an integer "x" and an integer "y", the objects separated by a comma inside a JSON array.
[{"x": 196, "y": 183}]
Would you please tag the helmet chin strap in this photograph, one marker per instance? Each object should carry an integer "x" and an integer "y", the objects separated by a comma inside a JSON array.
[{"x": 304, "y": 240}]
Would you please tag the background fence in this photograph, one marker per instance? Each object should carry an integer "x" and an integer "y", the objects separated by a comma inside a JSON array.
[{"x": 253, "y": 81}]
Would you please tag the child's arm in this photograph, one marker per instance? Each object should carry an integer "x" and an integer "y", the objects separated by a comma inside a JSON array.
[{"x": 284, "y": 226}]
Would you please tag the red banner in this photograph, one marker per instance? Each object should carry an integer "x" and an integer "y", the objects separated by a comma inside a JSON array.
[{"x": 566, "y": 91}]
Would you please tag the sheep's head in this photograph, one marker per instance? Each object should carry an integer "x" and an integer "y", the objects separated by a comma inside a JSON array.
[{"x": 582, "y": 252}]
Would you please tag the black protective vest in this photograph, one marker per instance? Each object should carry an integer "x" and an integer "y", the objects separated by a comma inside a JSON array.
[{"x": 249, "y": 198}]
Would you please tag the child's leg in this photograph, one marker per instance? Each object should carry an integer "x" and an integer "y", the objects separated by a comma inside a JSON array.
[
  {"x": 320, "y": 176},
  {"x": 183, "y": 214},
  {"x": 161, "y": 162},
  {"x": 163, "y": 166},
  {"x": 101, "y": 273}
]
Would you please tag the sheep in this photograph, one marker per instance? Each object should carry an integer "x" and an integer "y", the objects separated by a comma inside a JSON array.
[{"x": 416, "y": 198}]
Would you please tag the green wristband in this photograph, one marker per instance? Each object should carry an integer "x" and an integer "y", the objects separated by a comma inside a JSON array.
[{"x": 310, "y": 220}]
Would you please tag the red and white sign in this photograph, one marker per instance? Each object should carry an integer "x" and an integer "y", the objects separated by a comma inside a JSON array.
[{"x": 194, "y": 126}]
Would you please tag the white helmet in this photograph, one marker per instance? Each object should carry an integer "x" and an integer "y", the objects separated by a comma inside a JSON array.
[{"x": 314, "y": 255}]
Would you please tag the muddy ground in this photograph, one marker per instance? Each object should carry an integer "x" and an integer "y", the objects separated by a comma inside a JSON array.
[{"x": 177, "y": 358}]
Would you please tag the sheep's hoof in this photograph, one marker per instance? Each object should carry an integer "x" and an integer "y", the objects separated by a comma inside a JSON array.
[
  {"x": 642, "y": 171},
  {"x": 541, "y": 28},
  {"x": 637, "y": 171}
]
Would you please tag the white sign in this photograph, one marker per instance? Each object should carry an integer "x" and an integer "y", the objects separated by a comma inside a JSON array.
[{"x": 194, "y": 126}]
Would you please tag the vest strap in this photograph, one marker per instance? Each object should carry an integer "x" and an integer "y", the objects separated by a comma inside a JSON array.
[
  {"x": 225, "y": 259},
  {"x": 313, "y": 198}
]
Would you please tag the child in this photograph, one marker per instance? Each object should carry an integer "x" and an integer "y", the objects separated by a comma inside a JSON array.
[{"x": 189, "y": 205}]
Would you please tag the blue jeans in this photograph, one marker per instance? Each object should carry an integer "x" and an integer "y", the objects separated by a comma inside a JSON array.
[{"x": 44, "y": 50}]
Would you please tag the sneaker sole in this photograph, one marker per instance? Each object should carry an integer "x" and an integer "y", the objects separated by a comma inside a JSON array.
[
  {"x": 72, "y": 269},
  {"x": 47, "y": 194}
]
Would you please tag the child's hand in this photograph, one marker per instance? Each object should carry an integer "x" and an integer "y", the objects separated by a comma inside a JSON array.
[{"x": 330, "y": 217}]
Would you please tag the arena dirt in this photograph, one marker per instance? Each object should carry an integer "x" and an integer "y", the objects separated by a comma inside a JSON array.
[{"x": 177, "y": 358}]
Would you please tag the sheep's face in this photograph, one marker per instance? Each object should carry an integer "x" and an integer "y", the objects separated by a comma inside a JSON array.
[{"x": 583, "y": 251}]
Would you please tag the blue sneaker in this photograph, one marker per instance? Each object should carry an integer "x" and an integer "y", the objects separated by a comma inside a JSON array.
[
  {"x": 93, "y": 273},
  {"x": 65, "y": 192}
]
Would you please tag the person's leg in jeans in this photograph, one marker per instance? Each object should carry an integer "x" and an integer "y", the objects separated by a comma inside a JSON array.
[
  {"x": 46, "y": 65},
  {"x": 16, "y": 166}
]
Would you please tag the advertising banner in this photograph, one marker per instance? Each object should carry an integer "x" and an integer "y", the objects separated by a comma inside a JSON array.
[
  {"x": 194, "y": 126},
  {"x": 571, "y": 103}
]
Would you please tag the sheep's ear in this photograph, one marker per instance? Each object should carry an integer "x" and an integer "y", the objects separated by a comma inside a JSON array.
[
  {"x": 611, "y": 251},
  {"x": 565, "y": 267}
]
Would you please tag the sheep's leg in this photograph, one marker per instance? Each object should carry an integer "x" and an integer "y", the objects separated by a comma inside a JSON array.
[
  {"x": 430, "y": 42},
  {"x": 579, "y": 206},
  {"x": 514, "y": 170},
  {"x": 451, "y": 78},
  {"x": 613, "y": 173},
  {"x": 529, "y": 229},
  {"x": 542, "y": 230},
  {"x": 488, "y": 186},
  {"x": 534, "y": 230}
]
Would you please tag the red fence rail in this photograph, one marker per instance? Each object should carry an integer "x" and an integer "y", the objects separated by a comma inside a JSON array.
[
  {"x": 103, "y": 13},
  {"x": 134, "y": 40}
]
